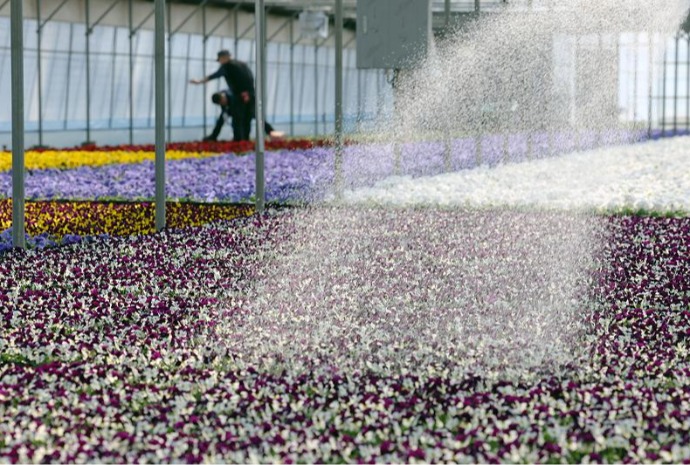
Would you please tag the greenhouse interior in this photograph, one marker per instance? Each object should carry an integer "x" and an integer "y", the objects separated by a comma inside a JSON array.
[{"x": 344, "y": 231}]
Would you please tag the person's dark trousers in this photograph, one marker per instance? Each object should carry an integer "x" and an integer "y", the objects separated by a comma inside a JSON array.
[
  {"x": 217, "y": 128},
  {"x": 240, "y": 122}
]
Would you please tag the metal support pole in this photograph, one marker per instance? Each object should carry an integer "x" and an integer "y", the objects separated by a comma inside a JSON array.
[
  {"x": 447, "y": 15},
  {"x": 635, "y": 90},
  {"x": 203, "y": 60},
  {"x": 88, "y": 72},
  {"x": 359, "y": 98},
  {"x": 338, "y": 96},
  {"x": 264, "y": 66},
  {"x": 576, "y": 92},
  {"x": 186, "y": 79},
  {"x": 687, "y": 100},
  {"x": 69, "y": 75},
  {"x": 292, "y": 76},
  {"x": 675, "y": 88},
  {"x": 236, "y": 32},
  {"x": 130, "y": 21},
  {"x": 650, "y": 85},
  {"x": 663, "y": 96},
  {"x": 112, "y": 80},
  {"x": 17, "y": 54},
  {"x": 316, "y": 88},
  {"x": 260, "y": 86},
  {"x": 159, "y": 74},
  {"x": 39, "y": 72},
  {"x": 168, "y": 73}
]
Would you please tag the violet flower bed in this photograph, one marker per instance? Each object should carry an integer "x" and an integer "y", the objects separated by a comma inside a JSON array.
[
  {"x": 116, "y": 351},
  {"x": 292, "y": 175}
]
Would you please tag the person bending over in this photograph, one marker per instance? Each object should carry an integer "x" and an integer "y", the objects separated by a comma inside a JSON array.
[
  {"x": 240, "y": 81},
  {"x": 228, "y": 108}
]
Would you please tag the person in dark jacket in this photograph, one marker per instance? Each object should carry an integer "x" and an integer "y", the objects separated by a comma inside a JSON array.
[
  {"x": 225, "y": 100},
  {"x": 240, "y": 81}
]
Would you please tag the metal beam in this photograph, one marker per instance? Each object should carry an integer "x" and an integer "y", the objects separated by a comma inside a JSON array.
[
  {"x": 260, "y": 51},
  {"x": 159, "y": 75},
  {"x": 143, "y": 21},
  {"x": 280, "y": 29},
  {"x": 323, "y": 42},
  {"x": 102, "y": 17},
  {"x": 220, "y": 23},
  {"x": 50, "y": 16},
  {"x": 246, "y": 31},
  {"x": 190, "y": 16},
  {"x": 17, "y": 53},
  {"x": 5, "y": 3}
]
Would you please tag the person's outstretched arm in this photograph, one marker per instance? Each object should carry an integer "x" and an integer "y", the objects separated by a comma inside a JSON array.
[{"x": 210, "y": 77}]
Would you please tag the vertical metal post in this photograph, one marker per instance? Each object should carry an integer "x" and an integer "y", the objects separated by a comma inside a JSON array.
[
  {"x": 69, "y": 75},
  {"x": 576, "y": 92},
  {"x": 203, "y": 59},
  {"x": 130, "y": 20},
  {"x": 168, "y": 72},
  {"x": 159, "y": 75},
  {"x": 112, "y": 81},
  {"x": 477, "y": 7},
  {"x": 292, "y": 76},
  {"x": 687, "y": 76},
  {"x": 264, "y": 67},
  {"x": 447, "y": 14},
  {"x": 650, "y": 85},
  {"x": 88, "y": 71},
  {"x": 236, "y": 25},
  {"x": 675, "y": 87},
  {"x": 359, "y": 98},
  {"x": 338, "y": 96},
  {"x": 39, "y": 70},
  {"x": 316, "y": 87},
  {"x": 260, "y": 51},
  {"x": 663, "y": 96},
  {"x": 17, "y": 53},
  {"x": 635, "y": 90}
]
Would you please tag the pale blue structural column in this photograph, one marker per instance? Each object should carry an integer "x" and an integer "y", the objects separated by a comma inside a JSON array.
[
  {"x": 17, "y": 44},
  {"x": 260, "y": 52},
  {"x": 159, "y": 76}
]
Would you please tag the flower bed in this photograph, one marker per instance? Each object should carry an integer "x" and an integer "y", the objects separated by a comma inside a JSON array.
[
  {"x": 51, "y": 223},
  {"x": 91, "y": 155},
  {"x": 114, "y": 351}
]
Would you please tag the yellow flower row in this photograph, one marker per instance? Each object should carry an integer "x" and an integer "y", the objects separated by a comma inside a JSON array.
[
  {"x": 64, "y": 159},
  {"x": 112, "y": 218}
]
